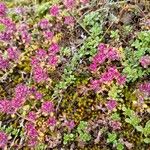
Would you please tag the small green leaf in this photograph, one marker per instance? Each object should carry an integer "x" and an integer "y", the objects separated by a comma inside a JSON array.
[
  {"x": 147, "y": 140},
  {"x": 2, "y": 27},
  {"x": 139, "y": 128}
]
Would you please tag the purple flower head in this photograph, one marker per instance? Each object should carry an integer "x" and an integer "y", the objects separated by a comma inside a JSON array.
[
  {"x": 51, "y": 121},
  {"x": 32, "y": 142},
  {"x": 26, "y": 37},
  {"x": 112, "y": 54},
  {"x": 2, "y": 9},
  {"x": 13, "y": 53},
  {"x": 111, "y": 104},
  {"x": 41, "y": 53},
  {"x": 121, "y": 80},
  {"x": 145, "y": 88},
  {"x": 54, "y": 10},
  {"x": 145, "y": 61},
  {"x": 116, "y": 125},
  {"x": 3, "y": 139},
  {"x": 47, "y": 107},
  {"x": 32, "y": 116},
  {"x": 23, "y": 27},
  {"x": 16, "y": 103},
  {"x": 69, "y": 20},
  {"x": 95, "y": 84},
  {"x": 35, "y": 61},
  {"x": 70, "y": 124},
  {"x": 4, "y": 63},
  {"x": 31, "y": 131},
  {"x": 70, "y": 3},
  {"x": 38, "y": 95},
  {"x": 52, "y": 60},
  {"x": 48, "y": 35},
  {"x": 93, "y": 67},
  {"x": 54, "y": 48},
  {"x": 6, "y": 107},
  {"x": 21, "y": 91},
  {"x": 44, "y": 24},
  {"x": 39, "y": 74}
]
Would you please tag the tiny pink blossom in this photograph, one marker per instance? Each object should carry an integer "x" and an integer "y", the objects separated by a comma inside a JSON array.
[
  {"x": 52, "y": 60},
  {"x": 38, "y": 95},
  {"x": 51, "y": 121},
  {"x": 145, "y": 61},
  {"x": 47, "y": 107},
  {"x": 116, "y": 125},
  {"x": 48, "y": 35},
  {"x": 32, "y": 116},
  {"x": 70, "y": 3},
  {"x": 69, "y": 20},
  {"x": 111, "y": 104},
  {"x": 54, "y": 10},
  {"x": 121, "y": 80},
  {"x": 54, "y": 48},
  {"x": 13, "y": 53},
  {"x": 70, "y": 124},
  {"x": 93, "y": 67},
  {"x": 3, "y": 139}
]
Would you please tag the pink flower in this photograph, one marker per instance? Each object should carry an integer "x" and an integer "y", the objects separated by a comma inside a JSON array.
[
  {"x": 21, "y": 91},
  {"x": 145, "y": 61},
  {"x": 70, "y": 124},
  {"x": 93, "y": 67},
  {"x": 41, "y": 53},
  {"x": 38, "y": 95},
  {"x": 52, "y": 60},
  {"x": 2, "y": 9},
  {"x": 51, "y": 121},
  {"x": 44, "y": 24},
  {"x": 145, "y": 88},
  {"x": 3, "y": 139},
  {"x": 32, "y": 116},
  {"x": 6, "y": 107},
  {"x": 116, "y": 125},
  {"x": 31, "y": 130},
  {"x": 39, "y": 74},
  {"x": 48, "y": 35},
  {"x": 47, "y": 107},
  {"x": 95, "y": 84},
  {"x": 69, "y": 20},
  {"x": 13, "y": 53},
  {"x": 121, "y": 80},
  {"x": 26, "y": 37},
  {"x": 70, "y": 3},
  {"x": 3, "y": 63},
  {"x": 111, "y": 104},
  {"x": 54, "y": 11},
  {"x": 54, "y": 48}
]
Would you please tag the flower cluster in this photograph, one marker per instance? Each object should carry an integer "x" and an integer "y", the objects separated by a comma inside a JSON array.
[
  {"x": 11, "y": 106},
  {"x": 145, "y": 61},
  {"x": 104, "y": 53},
  {"x": 107, "y": 77},
  {"x": 47, "y": 107},
  {"x": 54, "y": 11},
  {"x": 3, "y": 9},
  {"x": 42, "y": 59},
  {"x": 145, "y": 88},
  {"x": 111, "y": 104},
  {"x": 32, "y": 134},
  {"x": 4, "y": 63}
]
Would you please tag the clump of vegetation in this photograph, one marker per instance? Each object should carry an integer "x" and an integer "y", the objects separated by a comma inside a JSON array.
[{"x": 74, "y": 74}]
